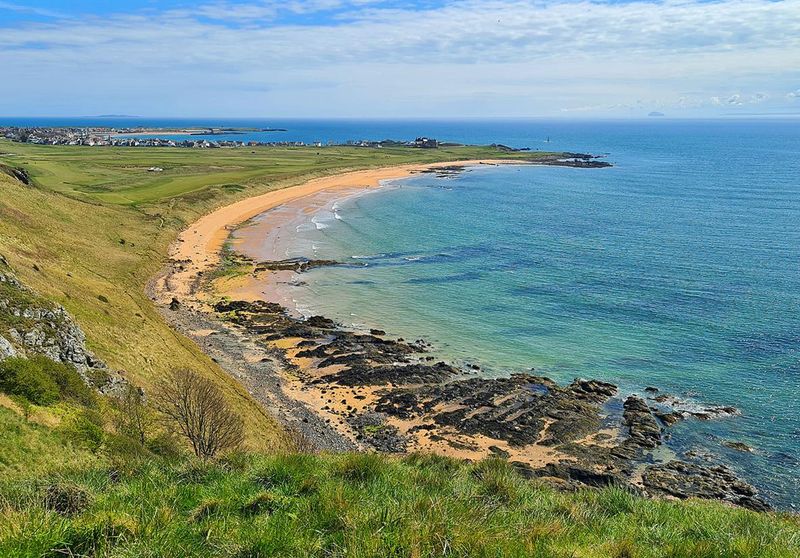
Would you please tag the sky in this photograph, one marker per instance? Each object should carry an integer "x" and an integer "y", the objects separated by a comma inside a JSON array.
[{"x": 389, "y": 59}]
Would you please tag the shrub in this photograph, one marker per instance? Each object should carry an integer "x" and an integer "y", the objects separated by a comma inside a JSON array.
[
  {"x": 26, "y": 378},
  {"x": 43, "y": 381},
  {"x": 87, "y": 429},
  {"x": 198, "y": 410},
  {"x": 133, "y": 417},
  {"x": 69, "y": 382}
]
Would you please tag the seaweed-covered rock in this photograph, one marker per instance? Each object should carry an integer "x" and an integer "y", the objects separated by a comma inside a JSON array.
[
  {"x": 641, "y": 423},
  {"x": 361, "y": 374},
  {"x": 689, "y": 480}
]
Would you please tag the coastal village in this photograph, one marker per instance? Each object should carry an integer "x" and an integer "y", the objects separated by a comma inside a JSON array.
[{"x": 121, "y": 137}]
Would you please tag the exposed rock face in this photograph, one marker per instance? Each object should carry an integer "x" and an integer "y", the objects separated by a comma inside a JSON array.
[
  {"x": 687, "y": 480},
  {"x": 53, "y": 334},
  {"x": 16, "y": 172},
  {"x": 6, "y": 348},
  {"x": 34, "y": 325}
]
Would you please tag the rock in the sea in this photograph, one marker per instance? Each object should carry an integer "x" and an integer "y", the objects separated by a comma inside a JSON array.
[
  {"x": 668, "y": 418},
  {"x": 641, "y": 423},
  {"x": 689, "y": 480},
  {"x": 738, "y": 446}
]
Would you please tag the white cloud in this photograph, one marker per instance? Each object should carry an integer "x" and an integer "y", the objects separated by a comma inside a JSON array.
[{"x": 511, "y": 57}]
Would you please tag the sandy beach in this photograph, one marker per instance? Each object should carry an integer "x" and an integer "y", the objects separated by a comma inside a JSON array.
[{"x": 198, "y": 247}]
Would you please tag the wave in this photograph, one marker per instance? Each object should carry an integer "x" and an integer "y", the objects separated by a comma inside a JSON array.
[
  {"x": 319, "y": 222},
  {"x": 369, "y": 257}
]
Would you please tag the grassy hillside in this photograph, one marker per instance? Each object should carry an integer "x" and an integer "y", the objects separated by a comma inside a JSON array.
[{"x": 94, "y": 226}]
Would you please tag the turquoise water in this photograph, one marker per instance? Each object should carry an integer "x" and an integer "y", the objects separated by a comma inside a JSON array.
[{"x": 678, "y": 268}]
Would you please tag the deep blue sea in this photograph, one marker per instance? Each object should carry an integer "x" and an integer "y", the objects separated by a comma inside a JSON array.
[{"x": 678, "y": 268}]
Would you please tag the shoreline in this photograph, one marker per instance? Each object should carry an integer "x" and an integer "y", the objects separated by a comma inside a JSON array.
[
  {"x": 348, "y": 390},
  {"x": 198, "y": 247}
]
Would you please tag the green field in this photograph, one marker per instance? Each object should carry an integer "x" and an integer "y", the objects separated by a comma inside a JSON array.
[
  {"x": 121, "y": 176},
  {"x": 89, "y": 231}
]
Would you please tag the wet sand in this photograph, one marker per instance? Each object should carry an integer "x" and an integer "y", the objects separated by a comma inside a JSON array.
[{"x": 198, "y": 248}]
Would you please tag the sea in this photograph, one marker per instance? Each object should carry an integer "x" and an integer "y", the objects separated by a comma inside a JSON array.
[{"x": 677, "y": 268}]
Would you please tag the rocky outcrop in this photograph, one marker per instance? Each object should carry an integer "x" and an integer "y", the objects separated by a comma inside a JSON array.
[
  {"x": 6, "y": 348},
  {"x": 520, "y": 410},
  {"x": 415, "y": 403},
  {"x": 642, "y": 426},
  {"x": 298, "y": 265},
  {"x": 17, "y": 173},
  {"x": 688, "y": 480},
  {"x": 30, "y": 324}
]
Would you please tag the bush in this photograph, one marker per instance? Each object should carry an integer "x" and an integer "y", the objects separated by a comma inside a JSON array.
[
  {"x": 70, "y": 384},
  {"x": 43, "y": 381},
  {"x": 87, "y": 429},
  {"x": 26, "y": 378}
]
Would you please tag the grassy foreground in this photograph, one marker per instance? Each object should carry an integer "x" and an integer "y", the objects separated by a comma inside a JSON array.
[
  {"x": 361, "y": 505},
  {"x": 88, "y": 233}
]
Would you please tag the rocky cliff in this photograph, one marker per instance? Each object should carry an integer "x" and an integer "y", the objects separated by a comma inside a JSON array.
[{"x": 31, "y": 324}]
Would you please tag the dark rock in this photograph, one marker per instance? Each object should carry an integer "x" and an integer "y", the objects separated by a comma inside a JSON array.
[
  {"x": 642, "y": 426},
  {"x": 174, "y": 304},
  {"x": 499, "y": 452},
  {"x": 668, "y": 418},
  {"x": 321, "y": 322},
  {"x": 578, "y": 476},
  {"x": 402, "y": 374},
  {"x": 738, "y": 446},
  {"x": 688, "y": 480},
  {"x": 298, "y": 265},
  {"x": 377, "y": 332},
  {"x": 373, "y": 429}
]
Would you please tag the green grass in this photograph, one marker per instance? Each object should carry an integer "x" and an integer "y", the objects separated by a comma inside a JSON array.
[
  {"x": 364, "y": 505},
  {"x": 120, "y": 175},
  {"x": 30, "y": 450}
]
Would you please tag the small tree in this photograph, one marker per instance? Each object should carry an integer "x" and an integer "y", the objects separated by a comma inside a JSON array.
[
  {"x": 134, "y": 417},
  {"x": 197, "y": 410}
]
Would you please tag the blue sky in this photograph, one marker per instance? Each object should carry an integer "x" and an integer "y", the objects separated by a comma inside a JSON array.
[{"x": 374, "y": 58}]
